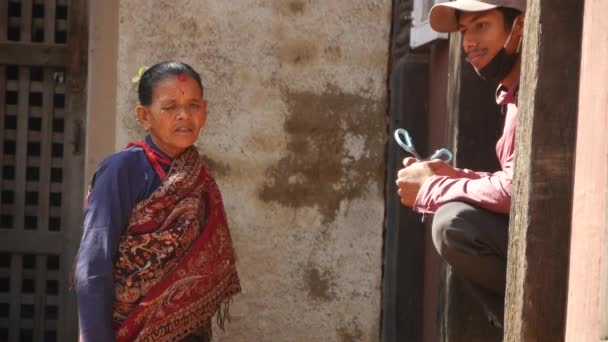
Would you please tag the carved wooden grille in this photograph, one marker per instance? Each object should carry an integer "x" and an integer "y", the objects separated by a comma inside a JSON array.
[{"x": 41, "y": 109}]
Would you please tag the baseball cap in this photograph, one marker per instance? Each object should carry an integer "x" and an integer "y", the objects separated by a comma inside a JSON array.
[{"x": 443, "y": 19}]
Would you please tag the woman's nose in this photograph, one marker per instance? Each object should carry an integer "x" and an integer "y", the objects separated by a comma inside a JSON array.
[{"x": 182, "y": 112}]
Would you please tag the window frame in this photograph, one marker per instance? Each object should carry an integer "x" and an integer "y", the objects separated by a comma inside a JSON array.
[{"x": 421, "y": 32}]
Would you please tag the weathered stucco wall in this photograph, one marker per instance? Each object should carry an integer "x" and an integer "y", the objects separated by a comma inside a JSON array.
[{"x": 295, "y": 137}]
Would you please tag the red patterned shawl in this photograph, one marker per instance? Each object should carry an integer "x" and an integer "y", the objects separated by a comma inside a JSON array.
[{"x": 175, "y": 266}]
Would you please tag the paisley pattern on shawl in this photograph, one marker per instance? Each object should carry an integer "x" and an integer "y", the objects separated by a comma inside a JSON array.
[{"x": 175, "y": 265}]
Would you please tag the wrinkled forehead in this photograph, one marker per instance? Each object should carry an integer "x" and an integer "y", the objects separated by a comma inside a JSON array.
[{"x": 175, "y": 86}]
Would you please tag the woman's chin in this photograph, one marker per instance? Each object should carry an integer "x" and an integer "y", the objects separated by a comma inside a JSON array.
[{"x": 185, "y": 138}]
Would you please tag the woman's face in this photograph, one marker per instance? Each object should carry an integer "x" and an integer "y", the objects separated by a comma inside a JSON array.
[{"x": 176, "y": 115}]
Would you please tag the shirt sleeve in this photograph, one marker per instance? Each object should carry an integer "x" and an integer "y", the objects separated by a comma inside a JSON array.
[
  {"x": 114, "y": 192},
  {"x": 491, "y": 191}
]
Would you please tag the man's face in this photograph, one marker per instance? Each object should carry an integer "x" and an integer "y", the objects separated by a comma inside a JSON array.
[{"x": 483, "y": 35}]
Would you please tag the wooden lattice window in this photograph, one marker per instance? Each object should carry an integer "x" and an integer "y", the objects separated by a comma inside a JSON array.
[
  {"x": 31, "y": 171},
  {"x": 40, "y": 21},
  {"x": 29, "y": 297},
  {"x": 32, "y": 149},
  {"x": 41, "y": 109}
]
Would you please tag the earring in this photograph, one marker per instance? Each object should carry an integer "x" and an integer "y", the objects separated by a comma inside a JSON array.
[{"x": 146, "y": 127}]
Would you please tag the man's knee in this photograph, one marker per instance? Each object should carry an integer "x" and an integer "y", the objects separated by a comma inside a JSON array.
[{"x": 447, "y": 222}]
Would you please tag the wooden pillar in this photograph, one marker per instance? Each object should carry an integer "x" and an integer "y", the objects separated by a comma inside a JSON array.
[
  {"x": 404, "y": 231},
  {"x": 542, "y": 194},
  {"x": 473, "y": 128}
]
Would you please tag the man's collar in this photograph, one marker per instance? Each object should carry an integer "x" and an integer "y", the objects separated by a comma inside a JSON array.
[{"x": 506, "y": 96}]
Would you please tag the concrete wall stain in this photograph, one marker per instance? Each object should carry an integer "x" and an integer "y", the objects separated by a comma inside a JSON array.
[
  {"x": 296, "y": 52},
  {"x": 296, "y": 7},
  {"x": 351, "y": 333},
  {"x": 319, "y": 170},
  {"x": 289, "y": 8},
  {"x": 217, "y": 168},
  {"x": 333, "y": 53},
  {"x": 320, "y": 285}
]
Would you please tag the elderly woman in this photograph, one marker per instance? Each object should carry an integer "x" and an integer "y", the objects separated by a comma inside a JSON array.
[{"x": 156, "y": 259}]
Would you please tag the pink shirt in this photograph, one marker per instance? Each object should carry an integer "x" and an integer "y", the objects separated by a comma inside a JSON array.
[{"x": 487, "y": 190}]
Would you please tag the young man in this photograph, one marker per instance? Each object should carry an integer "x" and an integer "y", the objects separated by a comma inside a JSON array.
[{"x": 470, "y": 222}]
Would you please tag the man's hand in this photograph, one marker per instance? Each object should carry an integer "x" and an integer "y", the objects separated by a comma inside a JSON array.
[{"x": 411, "y": 178}]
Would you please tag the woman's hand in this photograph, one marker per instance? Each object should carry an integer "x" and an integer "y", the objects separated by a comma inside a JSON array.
[{"x": 413, "y": 175}]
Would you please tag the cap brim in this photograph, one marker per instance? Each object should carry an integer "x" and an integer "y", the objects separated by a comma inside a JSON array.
[{"x": 442, "y": 16}]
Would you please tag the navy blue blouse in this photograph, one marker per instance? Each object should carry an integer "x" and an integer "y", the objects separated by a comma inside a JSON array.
[{"x": 119, "y": 183}]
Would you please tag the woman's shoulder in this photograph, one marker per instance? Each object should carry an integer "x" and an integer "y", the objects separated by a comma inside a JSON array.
[{"x": 129, "y": 159}]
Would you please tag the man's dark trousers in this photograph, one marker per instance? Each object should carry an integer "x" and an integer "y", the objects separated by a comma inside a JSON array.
[{"x": 474, "y": 242}]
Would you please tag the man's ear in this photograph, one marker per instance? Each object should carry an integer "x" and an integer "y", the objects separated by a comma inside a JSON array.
[
  {"x": 143, "y": 117},
  {"x": 518, "y": 25}
]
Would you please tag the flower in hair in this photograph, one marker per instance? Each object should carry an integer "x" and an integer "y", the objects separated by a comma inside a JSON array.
[{"x": 140, "y": 72}]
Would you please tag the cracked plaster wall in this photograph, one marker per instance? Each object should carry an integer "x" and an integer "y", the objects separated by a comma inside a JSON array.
[{"x": 295, "y": 137}]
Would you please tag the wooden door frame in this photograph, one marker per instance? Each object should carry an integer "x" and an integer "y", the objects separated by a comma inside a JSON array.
[{"x": 403, "y": 272}]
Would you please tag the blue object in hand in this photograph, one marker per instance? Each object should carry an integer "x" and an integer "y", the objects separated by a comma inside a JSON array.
[{"x": 405, "y": 141}]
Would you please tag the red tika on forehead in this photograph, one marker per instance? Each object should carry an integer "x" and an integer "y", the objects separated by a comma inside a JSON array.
[{"x": 182, "y": 77}]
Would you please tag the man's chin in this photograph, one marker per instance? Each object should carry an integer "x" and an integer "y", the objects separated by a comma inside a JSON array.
[{"x": 477, "y": 66}]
